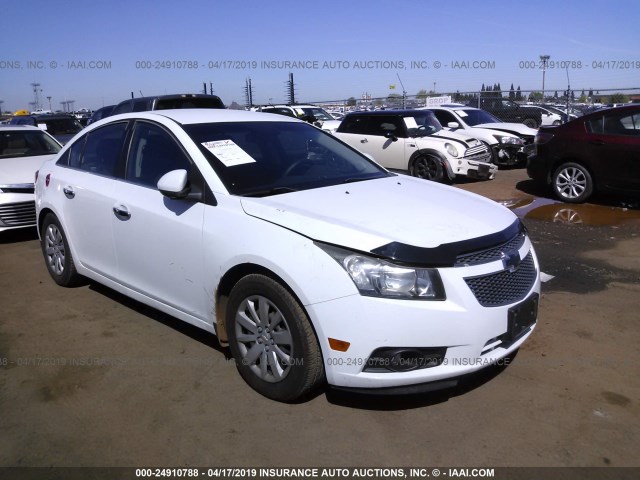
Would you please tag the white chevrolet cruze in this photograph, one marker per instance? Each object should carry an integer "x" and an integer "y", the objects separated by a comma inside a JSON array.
[{"x": 310, "y": 260}]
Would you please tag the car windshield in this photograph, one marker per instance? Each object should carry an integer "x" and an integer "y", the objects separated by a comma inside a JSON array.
[
  {"x": 268, "y": 158},
  {"x": 476, "y": 117},
  {"x": 59, "y": 126},
  {"x": 422, "y": 123},
  {"x": 318, "y": 113},
  {"x": 28, "y": 143}
]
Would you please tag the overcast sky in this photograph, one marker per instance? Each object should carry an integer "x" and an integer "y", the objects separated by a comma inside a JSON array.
[{"x": 98, "y": 52}]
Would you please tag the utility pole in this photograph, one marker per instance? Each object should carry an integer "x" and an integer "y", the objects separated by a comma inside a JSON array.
[
  {"x": 36, "y": 97},
  {"x": 49, "y": 98},
  {"x": 248, "y": 94},
  {"x": 404, "y": 92},
  {"x": 291, "y": 91},
  {"x": 545, "y": 63}
]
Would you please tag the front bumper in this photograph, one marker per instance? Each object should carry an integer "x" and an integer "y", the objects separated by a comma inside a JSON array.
[
  {"x": 474, "y": 169},
  {"x": 474, "y": 336}
]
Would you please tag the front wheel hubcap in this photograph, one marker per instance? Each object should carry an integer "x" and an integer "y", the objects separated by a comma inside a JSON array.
[{"x": 264, "y": 339}]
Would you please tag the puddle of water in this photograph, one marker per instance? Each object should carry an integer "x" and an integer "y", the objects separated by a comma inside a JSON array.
[{"x": 581, "y": 214}]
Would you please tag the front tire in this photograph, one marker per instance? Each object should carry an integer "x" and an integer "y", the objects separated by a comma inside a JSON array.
[
  {"x": 272, "y": 340},
  {"x": 57, "y": 254},
  {"x": 572, "y": 183},
  {"x": 428, "y": 167}
]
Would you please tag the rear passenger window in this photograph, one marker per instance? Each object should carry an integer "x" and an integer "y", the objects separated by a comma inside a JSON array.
[
  {"x": 153, "y": 153},
  {"x": 102, "y": 150}
]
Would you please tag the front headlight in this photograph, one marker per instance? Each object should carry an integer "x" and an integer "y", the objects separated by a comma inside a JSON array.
[
  {"x": 379, "y": 278},
  {"x": 451, "y": 149},
  {"x": 508, "y": 140}
]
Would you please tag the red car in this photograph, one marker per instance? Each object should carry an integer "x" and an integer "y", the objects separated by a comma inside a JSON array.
[{"x": 596, "y": 152}]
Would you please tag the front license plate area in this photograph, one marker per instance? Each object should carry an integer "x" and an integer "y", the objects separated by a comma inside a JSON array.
[
  {"x": 483, "y": 170},
  {"x": 521, "y": 318}
]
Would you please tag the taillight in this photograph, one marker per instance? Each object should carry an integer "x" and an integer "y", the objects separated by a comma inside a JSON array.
[
  {"x": 543, "y": 137},
  {"x": 47, "y": 179}
]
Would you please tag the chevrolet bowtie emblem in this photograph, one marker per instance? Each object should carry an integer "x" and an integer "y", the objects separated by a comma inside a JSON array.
[{"x": 510, "y": 260}]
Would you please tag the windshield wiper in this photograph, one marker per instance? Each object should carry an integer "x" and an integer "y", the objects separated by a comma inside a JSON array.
[{"x": 269, "y": 191}]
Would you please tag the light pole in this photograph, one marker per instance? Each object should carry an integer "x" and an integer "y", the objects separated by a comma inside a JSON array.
[
  {"x": 545, "y": 62},
  {"x": 49, "y": 98}
]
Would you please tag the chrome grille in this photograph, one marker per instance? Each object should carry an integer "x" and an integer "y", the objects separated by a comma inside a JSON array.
[
  {"x": 476, "y": 150},
  {"x": 491, "y": 254},
  {"x": 505, "y": 287},
  {"x": 18, "y": 214}
]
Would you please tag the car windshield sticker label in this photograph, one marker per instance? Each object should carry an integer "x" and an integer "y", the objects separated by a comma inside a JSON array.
[
  {"x": 410, "y": 122},
  {"x": 42, "y": 126},
  {"x": 228, "y": 152},
  {"x": 462, "y": 113}
]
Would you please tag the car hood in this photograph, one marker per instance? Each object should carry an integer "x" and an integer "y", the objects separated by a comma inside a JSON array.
[
  {"x": 369, "y": 214},
  {"x": 20, "y": 170},
  {"x": 515, "y": 128},
  {"x": 461, "y": 137}
]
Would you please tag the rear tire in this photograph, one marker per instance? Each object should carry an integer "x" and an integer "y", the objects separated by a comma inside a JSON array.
[
  {"x": 572, "y": 183},
  {"x": 272, "y": 340},
  {"x": 531, "y": 123},
  {"x": 57, "y": 254}
]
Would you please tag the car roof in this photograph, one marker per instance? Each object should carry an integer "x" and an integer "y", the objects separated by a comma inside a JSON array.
[
  {"x": 19, "y": 127},
  {"x": 388, "y": 112},
  {"x": 188, "y": 116}
]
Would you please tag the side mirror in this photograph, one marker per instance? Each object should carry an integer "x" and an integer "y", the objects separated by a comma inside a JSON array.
[
  {"x": 391, "y": 136},
  {"x": 175, "y": 184},
  {"x": 453, "y": 125}
]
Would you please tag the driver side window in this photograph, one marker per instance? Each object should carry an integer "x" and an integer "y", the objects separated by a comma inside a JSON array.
[{"x": 153, "y": 153}]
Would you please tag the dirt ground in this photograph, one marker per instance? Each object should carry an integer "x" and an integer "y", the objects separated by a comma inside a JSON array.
[{"x": 90, "y": 378}]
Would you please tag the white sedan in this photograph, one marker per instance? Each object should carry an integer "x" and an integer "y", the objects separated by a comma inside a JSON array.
[
  {"x": 310, "y": 260},
  {"x": 22, "y": 150}
]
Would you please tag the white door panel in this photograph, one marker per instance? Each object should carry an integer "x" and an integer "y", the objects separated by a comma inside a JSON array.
[
  {"x": 159, "y": 246},
  {"x": 86, "y": 209}
]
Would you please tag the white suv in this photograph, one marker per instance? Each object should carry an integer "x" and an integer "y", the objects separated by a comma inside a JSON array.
[{"x": 414, "y": 141}]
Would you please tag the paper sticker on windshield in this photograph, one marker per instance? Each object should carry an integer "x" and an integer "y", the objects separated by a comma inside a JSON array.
[
  {"x": 462, "y": 113},
  {"x": 228, "y": 152},
  {"x": 42, "y": 126},
  {"x": 410, "y": 122}
]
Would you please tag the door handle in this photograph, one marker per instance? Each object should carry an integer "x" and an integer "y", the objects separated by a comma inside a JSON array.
[
  {"x": 122, "y": 212},
  {"x": 68, "y": 192},
  {"x": 364, "y": 140},
  {"x": 597, "y": 142}
]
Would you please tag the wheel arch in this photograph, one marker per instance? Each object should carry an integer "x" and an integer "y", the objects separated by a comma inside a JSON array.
[
  {"x": 571, "y": 159},
  {"x": 41, "y": 216},
  {"x": 435, "y": 153},
  {"x": 231, "y": 278}
]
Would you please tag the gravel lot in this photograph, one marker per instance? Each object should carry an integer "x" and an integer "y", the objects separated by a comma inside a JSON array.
[{"x": 90, "y": 378}]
